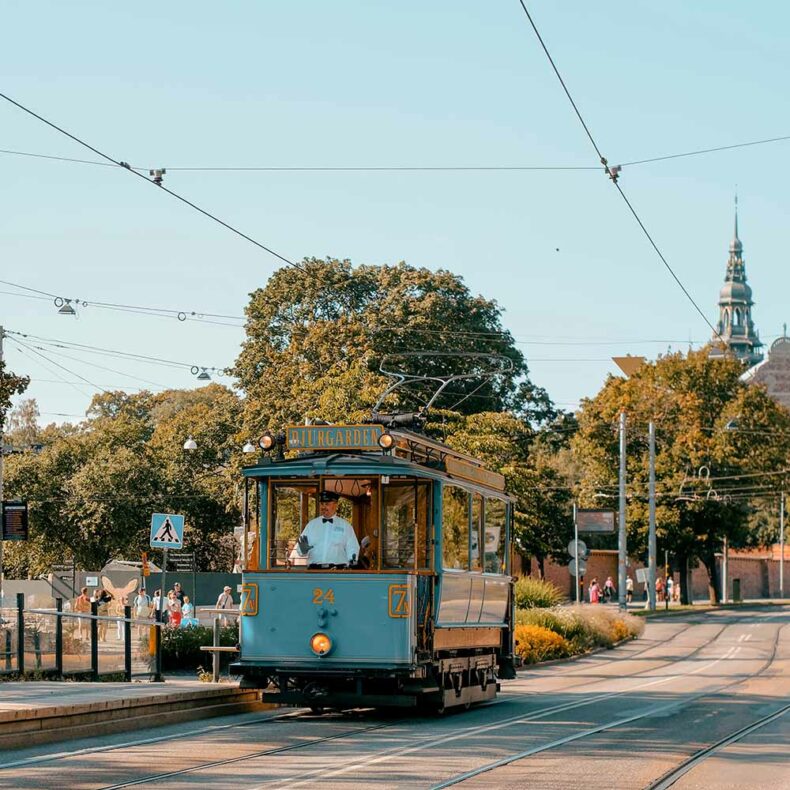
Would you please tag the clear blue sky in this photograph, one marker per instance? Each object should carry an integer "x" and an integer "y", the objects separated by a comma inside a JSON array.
[{"x": 381, "y": 83}]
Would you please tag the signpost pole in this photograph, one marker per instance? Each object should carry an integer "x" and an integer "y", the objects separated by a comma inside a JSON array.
[
  {"x": 576, "y": 552},
  {"x": 163, "y": 594},
  {"x": 621, "y": 539},
  {"x": 651, "y": 562}
]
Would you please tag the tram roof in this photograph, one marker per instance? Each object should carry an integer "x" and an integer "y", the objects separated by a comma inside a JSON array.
[{"x": 412, "y": 453}]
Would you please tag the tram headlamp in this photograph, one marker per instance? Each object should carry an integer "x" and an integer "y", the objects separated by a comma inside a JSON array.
[
  {"x": 386, "y": 441},
  {"x": 320, "y": 644},
  {"x": 266, "y": 442}
]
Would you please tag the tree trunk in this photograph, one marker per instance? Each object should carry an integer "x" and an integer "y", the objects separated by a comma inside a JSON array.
[
  {"x": 541, "y": 566},
  {"x": 709, "y": 561},
  {"x": 683, "y": 568},
  {"x": 526, "y": 564}
]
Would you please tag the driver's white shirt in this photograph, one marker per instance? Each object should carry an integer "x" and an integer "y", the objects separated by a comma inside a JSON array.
[{"x": 333, "y": 542}]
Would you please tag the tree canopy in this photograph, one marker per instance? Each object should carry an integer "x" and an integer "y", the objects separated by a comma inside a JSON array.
[
  {"x": 706, "y": 471},
  {"x": 316, "y": 337}
]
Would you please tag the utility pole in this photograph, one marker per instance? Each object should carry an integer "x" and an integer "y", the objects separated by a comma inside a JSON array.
[
  {"x": 621, "y": 540},
  {"x": 651, "y": 539},
  {"x": 578, "y": 575},
  {"x": 725, "y": 570},
  {"x": 2, "y": 442},
  {"x": 781, "y": 544}
]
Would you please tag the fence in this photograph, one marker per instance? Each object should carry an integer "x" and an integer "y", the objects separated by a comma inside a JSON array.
[{"x": 54, "y": 642}]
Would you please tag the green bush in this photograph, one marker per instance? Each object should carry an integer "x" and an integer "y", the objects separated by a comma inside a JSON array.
[
  {"x": 181, "y": 646},
  {"x": 536, "y": 593}
]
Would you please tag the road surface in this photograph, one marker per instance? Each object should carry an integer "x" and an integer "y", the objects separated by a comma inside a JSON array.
[{"x": 701, "y": 701}]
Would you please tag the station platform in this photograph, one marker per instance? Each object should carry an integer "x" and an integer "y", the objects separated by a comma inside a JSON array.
[{"x": 33, "y": 713}]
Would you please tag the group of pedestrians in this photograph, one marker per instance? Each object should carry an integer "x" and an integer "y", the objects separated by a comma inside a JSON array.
[
  {"x": 602, "y": 593},
  {"x": 177, "y": 610}
]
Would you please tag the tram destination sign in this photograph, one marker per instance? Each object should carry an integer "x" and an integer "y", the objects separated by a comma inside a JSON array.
[
  {"x": 595, "y": 520},
  {"x": 333, "y": 437},
  {"x": 14, "y": 520}
]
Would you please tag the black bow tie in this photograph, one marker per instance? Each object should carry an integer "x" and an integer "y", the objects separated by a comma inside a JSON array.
[{"x": 324, "y": 520}]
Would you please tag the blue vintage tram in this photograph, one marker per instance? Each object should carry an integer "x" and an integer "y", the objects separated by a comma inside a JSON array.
[{"x": 425, "y": 615}]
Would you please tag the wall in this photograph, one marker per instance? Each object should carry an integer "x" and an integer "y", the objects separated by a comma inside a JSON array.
[{"x": 759, "y": 576}]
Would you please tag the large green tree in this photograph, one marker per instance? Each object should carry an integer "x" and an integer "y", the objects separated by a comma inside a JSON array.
[
  {"x": 316, "y": 337},
  {"x": 92, "y": 487},
  {"x": 705, "y": 471}
]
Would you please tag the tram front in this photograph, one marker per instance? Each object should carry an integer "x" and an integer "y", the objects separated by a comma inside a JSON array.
[{"x": 338, "y": 583}]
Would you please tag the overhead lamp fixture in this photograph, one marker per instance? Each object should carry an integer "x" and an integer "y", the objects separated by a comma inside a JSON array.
[
  {"x": 732, "y": 425},
  {"x": 203, "y": 375},
  {"x": 64, "y": 307},
  {"x": 190, "y": 444},
  {"x": 248, "y": 448}
]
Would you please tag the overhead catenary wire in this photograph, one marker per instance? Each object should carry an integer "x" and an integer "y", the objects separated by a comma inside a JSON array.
[
  {"x": 612, "y": 174},
  {"x": 56, "y": 364},
  {"x": 161, "y": 186},
  {"x": 404, "y": 168}
]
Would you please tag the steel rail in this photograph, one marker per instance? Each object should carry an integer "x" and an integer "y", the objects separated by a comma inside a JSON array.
[
  {"x": 658, "y": 709},
  {"x": 243, "y": 758},
  {"x": 669, "y": 778}
]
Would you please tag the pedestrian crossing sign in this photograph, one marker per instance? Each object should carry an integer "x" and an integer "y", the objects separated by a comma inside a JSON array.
[{"x": 167, "y": 531}]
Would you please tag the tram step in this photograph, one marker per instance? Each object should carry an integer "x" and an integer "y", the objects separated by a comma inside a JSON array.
[{"x": 23, "y": 728}]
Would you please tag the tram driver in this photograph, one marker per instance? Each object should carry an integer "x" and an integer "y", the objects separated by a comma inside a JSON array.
[{"x": 328, "y": 539}]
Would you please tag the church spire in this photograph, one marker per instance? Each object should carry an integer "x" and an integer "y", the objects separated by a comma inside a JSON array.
[
  {"x": 735, "y": 326},
  {"x": 736, "y": 246}
]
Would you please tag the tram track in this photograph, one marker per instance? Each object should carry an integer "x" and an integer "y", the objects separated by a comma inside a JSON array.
[
  {"x": 466, "y": 732},
  {"x": 235, "y": 760},
  {"x": 670, "y": 777},
  {"x": 291, "y": 714}
]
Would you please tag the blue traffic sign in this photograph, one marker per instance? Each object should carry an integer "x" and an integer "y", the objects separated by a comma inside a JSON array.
[{"x": 167, "y": 531}]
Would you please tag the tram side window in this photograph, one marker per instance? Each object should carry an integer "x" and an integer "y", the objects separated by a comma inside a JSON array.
[
  {"x": 455, "y": 528},
  {"x": 475, "y": 536},
  {"x": 405, "y": 531},
  {"x": 495, "y": 530},
  {"x": 292, "y": 507}
]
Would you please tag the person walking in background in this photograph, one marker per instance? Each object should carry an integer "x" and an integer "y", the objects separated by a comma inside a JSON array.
[
  {"x": 609, "y": 591},
  {"x": 82, "y": 605},
  {"x": 225, "y": 601},
  {"x": 629, "y": 589},
  {"x": 142, "y": 607},
  {"x": 102, "y": 598},
  {"x": 595, "y": 591},
  {"x": 179, "y": 592},
  {"x": 670, "y": 588},
  {"x": 659, "y": 588},
  {"x": 188, "y": 613},
  {"x": 174, "y": 609}
]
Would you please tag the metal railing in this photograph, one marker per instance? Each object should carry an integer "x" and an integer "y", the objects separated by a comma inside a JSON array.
[
  {"x": 69, "y": 643},
  {"x": 66, "y": 643}
]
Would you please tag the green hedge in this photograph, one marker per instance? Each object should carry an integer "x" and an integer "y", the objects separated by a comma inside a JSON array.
[{"x": 181, "y": 646}]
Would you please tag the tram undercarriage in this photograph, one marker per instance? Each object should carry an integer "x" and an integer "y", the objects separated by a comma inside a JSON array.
[{"x": 444, "y": 683}]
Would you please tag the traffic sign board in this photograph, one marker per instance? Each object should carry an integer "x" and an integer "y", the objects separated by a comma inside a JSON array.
[
  {"x": 583, "y": 553},
  {"x": 582, "y": 565},
  {"x": 167, "y": 531}
]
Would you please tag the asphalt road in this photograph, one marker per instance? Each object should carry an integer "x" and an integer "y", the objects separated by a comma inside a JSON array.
[{"x": 701, "y": 701}]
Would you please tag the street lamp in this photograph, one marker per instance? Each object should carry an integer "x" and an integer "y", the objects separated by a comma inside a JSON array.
[{"x": 190, "y": 444}]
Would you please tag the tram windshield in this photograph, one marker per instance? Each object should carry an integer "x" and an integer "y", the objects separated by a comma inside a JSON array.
[{"x": 358, "y": 523}]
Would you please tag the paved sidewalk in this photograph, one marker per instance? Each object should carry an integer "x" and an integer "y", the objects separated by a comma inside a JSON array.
[{"x": 26, "y": 696}]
